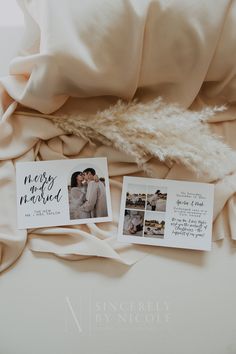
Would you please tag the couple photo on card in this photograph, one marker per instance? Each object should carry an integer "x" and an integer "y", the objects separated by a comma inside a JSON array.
[
  {"x": 79, "y": 192},
  {"x": 87, "y": 195},
  {"x": 153, "y": 211}
]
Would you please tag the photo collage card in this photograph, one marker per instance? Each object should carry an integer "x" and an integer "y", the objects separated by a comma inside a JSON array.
[{"x": 166, "y": 213}]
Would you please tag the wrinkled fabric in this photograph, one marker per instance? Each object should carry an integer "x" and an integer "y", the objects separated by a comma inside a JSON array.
[
  {"x": 78, "y": 58},
  {"x": 27, "y": 136},
  {"x": 120, "y": 48}
]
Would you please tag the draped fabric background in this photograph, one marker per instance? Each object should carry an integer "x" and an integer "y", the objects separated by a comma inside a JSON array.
[
  {"x": 122, "y": 48},
  {"x": 80, "y": 57},
  {"x": 28, "y": 137}
]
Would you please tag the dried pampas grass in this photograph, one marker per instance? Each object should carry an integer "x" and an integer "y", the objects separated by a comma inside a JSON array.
[{"x": 156, "y": 129}]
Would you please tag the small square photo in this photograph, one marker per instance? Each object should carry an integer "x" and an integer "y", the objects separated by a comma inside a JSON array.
[
  {"x": 154, "y": 225},
  {"x": 156, "y": 198},
  {"x": 133, "y": 222},
  {"x": 136, "y": 197}
]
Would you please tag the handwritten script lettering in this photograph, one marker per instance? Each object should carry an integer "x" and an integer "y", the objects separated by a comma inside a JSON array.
[
  {"x": 190, "y": 215},
  {"x": 188, "y": 227},
  {"x": 40, "y": 189}
]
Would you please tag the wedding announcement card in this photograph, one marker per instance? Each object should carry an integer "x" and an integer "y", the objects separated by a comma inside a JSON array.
[
  {"x": 166, "y": 213},
  {"x": 62, "y": 192}
]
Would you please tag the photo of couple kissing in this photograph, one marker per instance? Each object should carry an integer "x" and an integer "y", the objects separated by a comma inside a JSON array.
[{"x": 87, "y": 195}]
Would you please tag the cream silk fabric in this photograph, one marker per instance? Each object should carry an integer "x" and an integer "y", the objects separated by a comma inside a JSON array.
[
  {"x": 89, "y": 49},
  {"x": 29, "y": 136}
]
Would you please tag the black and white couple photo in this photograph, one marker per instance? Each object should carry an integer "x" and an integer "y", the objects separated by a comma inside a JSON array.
[{"x": 87, "y": 195}]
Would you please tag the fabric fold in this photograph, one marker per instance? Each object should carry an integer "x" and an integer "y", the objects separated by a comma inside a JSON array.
[
  {"x": 75, "y": 241},
  {"x": 12, "y": 241},
  {"x": 169, "y": 50},
  {"x": 150, "y": 48}
]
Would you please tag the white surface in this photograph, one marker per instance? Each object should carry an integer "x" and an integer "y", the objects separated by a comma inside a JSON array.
[
  {"x": 11, "y": 30},
  {"x": 10, "y": 14},
  {"x": 195, "y": 292},
  {"x": 174, "y": 301}
]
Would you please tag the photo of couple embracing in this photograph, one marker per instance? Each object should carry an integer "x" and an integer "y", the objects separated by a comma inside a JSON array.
[{"x": 87, "y": 195}]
